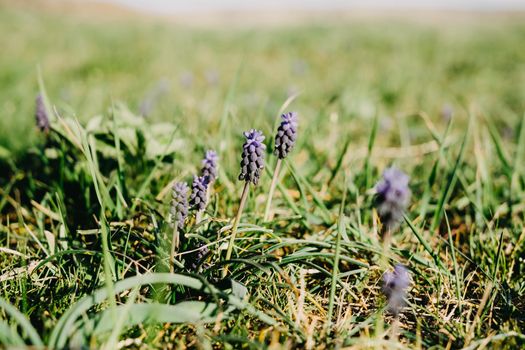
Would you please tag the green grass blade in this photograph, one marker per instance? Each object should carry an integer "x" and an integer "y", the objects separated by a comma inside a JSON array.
[
  {"x": 451, "y": 182},
  {"x": 335, "y": 271},
  {"x": 23, "y": 322}
]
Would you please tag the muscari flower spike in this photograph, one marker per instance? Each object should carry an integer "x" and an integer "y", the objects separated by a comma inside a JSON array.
[
  {"x": 393, "y": 197},
  {"x": 41, "y": 117},
  {"x": 286, "y": 135},
  {"x": 197, "y": 257},
  {"x": 179, "y": 204},
  {"x": 394, "y": 287},
  {"x": 199, "y": 188},
  {"x": 252, "y": 162},
  {"x": 210, "y": 165}
]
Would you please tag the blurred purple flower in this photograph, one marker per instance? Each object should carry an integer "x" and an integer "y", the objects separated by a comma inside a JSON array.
[
  {"x": 286, "y": 135},
  {"x": 299, "y": 67},
  {"x": 41, "y": 117},
  {"x": 385, "y": 123},
  {"x": 148, "y": 103},
  {"x": 252, "y": 162},
  {"x": 210, "y": 166},
  {"x": 186, "y": 79},
  {"x": 198, "y": 192},
  {"x": 446, "y": 112},
  {"x": 394, "y": 288},
  {"x": 393, "y": 197},
  {"x": 179, "y": 204},
  {"x": 212, "y": 77}
]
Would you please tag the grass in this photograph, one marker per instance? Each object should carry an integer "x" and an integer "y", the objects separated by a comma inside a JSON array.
[{"x": 85, "y": 235}]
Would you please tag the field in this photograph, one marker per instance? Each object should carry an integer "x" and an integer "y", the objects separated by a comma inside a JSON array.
[{"x": 134, "y": 103}]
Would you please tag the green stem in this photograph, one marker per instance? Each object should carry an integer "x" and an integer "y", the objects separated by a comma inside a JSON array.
[
  {"x": 335, "y": 272},
  {"x": 198, "y": 217},
  {"x": 272, "y": 190},
  {"x": 387, "y": 241},
  {"x": 174, "y": 245},
  {"x": 244, "y": 196}
]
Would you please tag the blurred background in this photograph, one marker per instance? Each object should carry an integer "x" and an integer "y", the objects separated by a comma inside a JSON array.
[
  {"x": 188, "y": 61},
  {"x": 177, "y": 6}
]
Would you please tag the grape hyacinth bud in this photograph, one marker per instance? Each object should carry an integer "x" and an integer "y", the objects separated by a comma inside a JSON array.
[
  {"x": 198, "y": 192},
  {"x": 179, "y": 204},
  {"x": 195, "y": 259},
  {"x": 393, "y": 197},
  {"x": 252, "y": 162},
  {"x": 394, "y": 287},
  {"x": 210, "y": 166},
  {"x": 41, "y": 117},
  {"x": 286, "y": 135}
]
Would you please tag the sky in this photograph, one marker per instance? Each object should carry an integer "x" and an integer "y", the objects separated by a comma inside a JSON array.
[{"x": 183, "y": 6}]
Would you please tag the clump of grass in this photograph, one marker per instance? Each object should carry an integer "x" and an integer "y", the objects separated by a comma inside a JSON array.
[{"x": 83, "y": 209}]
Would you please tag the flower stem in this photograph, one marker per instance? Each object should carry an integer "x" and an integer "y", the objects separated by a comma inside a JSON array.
[
  {"x": 272, "y": 189},
  {"x": 244, "y": 196},
  {"x": 394, "y": 329},
  {"x": 198, "y": 217},
  {"x": 387, "y": 241},
  {"x": 174, "y": 245}
]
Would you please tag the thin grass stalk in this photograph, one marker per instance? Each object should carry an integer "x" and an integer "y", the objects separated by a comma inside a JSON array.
[
  {"x": 454, "y": 262},
  {"x": 174, "y": 244},
  {"x": 105, "y": 201},
  {"x": 244, "y": 196},
  {"x": 108, "y": 261},
  {"x": 385, "y": 236},
  {"x": 275, "y": 179},
  {"x": 335, "y": 272}
]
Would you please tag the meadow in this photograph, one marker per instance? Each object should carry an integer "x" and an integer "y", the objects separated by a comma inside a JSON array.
[{"x": 134, "y": 103}]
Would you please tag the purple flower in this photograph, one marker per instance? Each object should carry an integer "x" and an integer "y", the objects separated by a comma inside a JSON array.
[
  {"x": 148, "y": 103},
  {"x": 447, "y": 111},
  {"x": 252, "y": 162},
  {"x": 179, "y": 204},
  {"x": 393, "y": 197},
  {"x": 186, "y": 79},
  {"x": 198, "y": 192},
  {"x": 196, "y": 258},
  {"x": 286, "y": 135},
  {"x": 41, "y": 117},
  {"x": 212, "y": 77},
  {"x": 394, "y": 287},
  {"x": 210, "y": 166}
]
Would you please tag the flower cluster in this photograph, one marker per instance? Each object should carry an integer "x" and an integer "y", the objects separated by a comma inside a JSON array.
[
  {"x": 199, "y": 189},
  {"x": 209, "y": 166},
  {"x": 179, "y": 204},
  {"x": 286, "y": 135},
  {"x": 393, "y": 197},
  {"x": 252, "y": 162},
  {"x": 394, "y": 287},
  {"x": 196, "y": 258}
]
